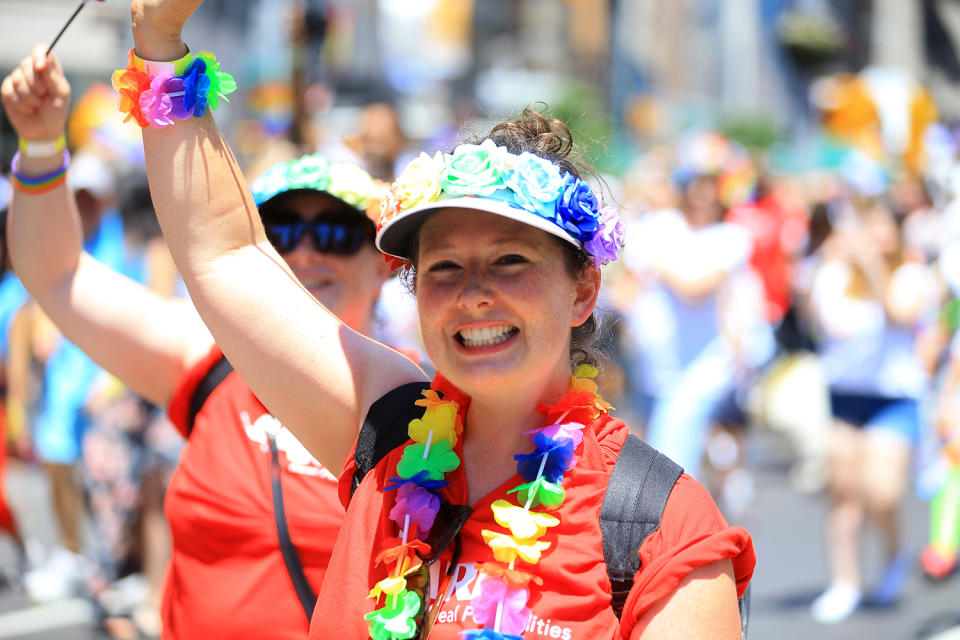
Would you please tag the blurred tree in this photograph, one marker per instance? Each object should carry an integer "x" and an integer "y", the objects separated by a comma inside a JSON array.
[{"x": 752, "y": 130}]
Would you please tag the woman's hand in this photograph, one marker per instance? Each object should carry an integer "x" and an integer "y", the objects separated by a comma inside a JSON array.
[
  {"x": 36, "y": 97},
  {"x": 157, "y": 27}
]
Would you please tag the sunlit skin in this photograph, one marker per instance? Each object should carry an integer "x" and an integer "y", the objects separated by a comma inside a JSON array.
[
  {"x": 477, "y": 270},
  {"x": 346, "y": 285},
  {"x": 882, "y": 230}
]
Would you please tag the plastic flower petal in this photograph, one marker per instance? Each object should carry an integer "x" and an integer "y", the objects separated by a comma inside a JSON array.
[
  {"x": 419, "y": 183},
  {"x": 176, "y": 93},
  {"x": 582, "y": 383},
  {"x": 607, "y": 241},
  {"x": 544, "y": 492},
  {"x": 430, "y": 399},
  {"x": 196, "y": 87},
  {"x": 440, "y": 460},
  {"x": 390, "y": 586},
  {"x": 221, "y": 82},
  {"x": 351, "y": 183},
  {"x": 418, "y": 503},
  {"x": 536, "y": 184},
  {"x": 488, "y": 634},
  {"x": 523, "y": 524},
  {"x": 395, "y": 620},
  {"x": 578, "y": 209},
  {"x": 586, "y": 370},
  {"x": 421, "y": 479},
  {"x": 586, "y": 385},
  {"x": 474, "y": 169},
  {"x": 514, "y": 578},
  {"x": 506, "y": 549},
  {"x": 156, "y": 105},
  {"x": 495, "y": 596},
  {"x": 572, "y": 431},
  {"x": 396, "y": 550},
  {"x": 559, "y": 458},
  {"x": 441, "y": 419},
  {"x": 579, "y": 406},
  {"x": 130, "y": 83}
]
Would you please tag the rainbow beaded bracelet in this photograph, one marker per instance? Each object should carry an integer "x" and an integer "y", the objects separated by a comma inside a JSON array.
[
  {"x": 35, "y": 185},
  {"x": 156, "y": 94}
]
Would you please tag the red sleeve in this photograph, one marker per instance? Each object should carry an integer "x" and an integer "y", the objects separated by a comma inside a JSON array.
[
  {"x": 345, "y": 480},
  {"x": 692, "y": 533},
  {"x": 179, "y": 408}
]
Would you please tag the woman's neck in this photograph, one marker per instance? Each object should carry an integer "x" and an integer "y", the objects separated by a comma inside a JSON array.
[{"x": 494, "y": 433}]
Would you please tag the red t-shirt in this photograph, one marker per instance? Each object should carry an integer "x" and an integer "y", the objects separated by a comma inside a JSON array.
[
  {"x": 227, "y": 577},
  {"x": 574, "y": 601}
]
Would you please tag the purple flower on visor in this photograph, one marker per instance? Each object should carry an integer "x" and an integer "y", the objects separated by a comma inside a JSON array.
[{"x": 608, "y": 240}]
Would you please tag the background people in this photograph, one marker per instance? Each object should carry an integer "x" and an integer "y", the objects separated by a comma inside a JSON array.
[{"x": 225, "y": 558}]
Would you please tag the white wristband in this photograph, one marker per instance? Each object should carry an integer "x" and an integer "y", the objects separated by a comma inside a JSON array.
[{"x": 42, "y": 148}]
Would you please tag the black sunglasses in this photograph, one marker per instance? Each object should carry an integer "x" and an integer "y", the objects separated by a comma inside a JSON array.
[{"x": 338, "y": 236}]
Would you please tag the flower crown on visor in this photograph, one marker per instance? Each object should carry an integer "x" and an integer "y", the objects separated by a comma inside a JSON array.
[
  {"x": 487, "y": 177},
  {"x": 346, "y": 182}
]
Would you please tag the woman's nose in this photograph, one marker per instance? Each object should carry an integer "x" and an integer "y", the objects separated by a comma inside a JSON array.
[
  {"x": 304, "y": 250},
  {"x": 476, "y": 291}
]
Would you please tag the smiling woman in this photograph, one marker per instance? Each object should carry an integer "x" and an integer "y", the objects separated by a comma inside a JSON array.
[{"x": 485, "y": 521}]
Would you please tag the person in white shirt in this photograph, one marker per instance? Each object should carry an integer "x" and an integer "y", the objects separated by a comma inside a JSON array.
[{"x": 868, "y": 301}]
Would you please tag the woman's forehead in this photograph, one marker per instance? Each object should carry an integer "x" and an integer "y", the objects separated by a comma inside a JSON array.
[{"x": 457, "y": 226}]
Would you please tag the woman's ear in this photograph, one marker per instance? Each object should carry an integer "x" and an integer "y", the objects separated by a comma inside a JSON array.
[{"x": 587, "y": 291}]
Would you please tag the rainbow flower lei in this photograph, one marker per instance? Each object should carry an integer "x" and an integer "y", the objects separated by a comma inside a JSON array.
[
  {"x": 500, "y": 602},
  {"x": 160, "y": 100},
  {"x": 524, "y": 181}
]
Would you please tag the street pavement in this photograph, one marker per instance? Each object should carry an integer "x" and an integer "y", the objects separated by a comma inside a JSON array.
[
  {"x": 788, "y": 532},
  {"x": 791, "y": 570}
]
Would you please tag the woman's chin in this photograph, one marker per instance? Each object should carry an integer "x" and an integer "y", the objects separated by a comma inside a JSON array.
[{"x": 483, "y": 375}]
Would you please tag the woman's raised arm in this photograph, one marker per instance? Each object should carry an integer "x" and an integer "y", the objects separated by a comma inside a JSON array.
[
  {"x": 144, "y": 339},
  {"x": 314, "y": 374}
]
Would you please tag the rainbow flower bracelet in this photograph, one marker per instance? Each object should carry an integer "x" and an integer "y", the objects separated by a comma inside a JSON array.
[{"x": 157, "y": 94}]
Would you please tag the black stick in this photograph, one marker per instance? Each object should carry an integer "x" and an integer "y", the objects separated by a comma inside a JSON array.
[{"x": 57, "y": 39}]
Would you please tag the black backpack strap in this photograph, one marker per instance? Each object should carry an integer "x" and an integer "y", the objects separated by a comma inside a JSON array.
[
  {"x": 385, "y": 427},
  {"x": 639, "y": 486},
  {"x": 308, "y": 599},
  {"x": 633, "y": 504},
  {"x": 210, "y": 381}
]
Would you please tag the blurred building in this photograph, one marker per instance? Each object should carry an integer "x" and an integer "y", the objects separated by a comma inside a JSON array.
[{"x": 646, "y": 68}]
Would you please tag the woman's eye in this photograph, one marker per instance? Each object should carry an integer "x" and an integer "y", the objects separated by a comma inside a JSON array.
[
  {"x": 512, "y": 258},
  {"x": 444, "y": 265}
]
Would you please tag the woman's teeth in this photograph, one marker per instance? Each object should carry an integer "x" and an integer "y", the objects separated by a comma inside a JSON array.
[{"x": 486, "y": 336}]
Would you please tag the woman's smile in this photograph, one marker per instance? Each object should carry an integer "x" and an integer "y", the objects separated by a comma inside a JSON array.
[{"x": 485, "y": 339}]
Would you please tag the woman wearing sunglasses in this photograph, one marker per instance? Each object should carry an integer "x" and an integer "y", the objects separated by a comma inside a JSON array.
[{"x": 228, "y": 576}]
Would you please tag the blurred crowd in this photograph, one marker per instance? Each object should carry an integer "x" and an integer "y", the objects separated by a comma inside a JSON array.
[{"x": 822, "y": 304}]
